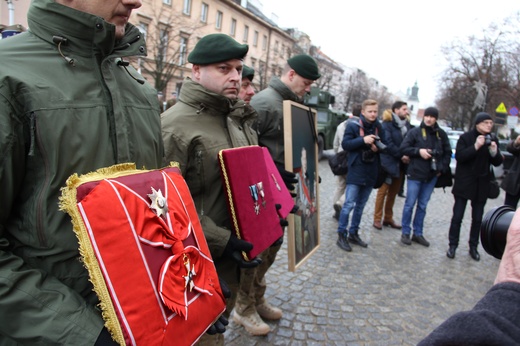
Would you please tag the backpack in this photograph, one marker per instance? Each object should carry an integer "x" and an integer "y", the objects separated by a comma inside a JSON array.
[{"x": 339, "y": 163}]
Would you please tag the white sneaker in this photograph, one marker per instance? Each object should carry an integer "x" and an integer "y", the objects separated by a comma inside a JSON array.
[{"x": 252, "y": 323}]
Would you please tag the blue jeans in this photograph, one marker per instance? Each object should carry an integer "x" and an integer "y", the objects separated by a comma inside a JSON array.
[
  {"x": 356, "y": 196},
  {"x": 420, "y": 192}
]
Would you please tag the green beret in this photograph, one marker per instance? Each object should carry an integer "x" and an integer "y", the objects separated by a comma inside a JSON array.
[
  {"x": 216, "y": 48},
  {"x": 248, "y": 72},
  {"x": 305, "y": 66}
]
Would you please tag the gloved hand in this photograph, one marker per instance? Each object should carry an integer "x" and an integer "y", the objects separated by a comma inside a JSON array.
[
  {"x": 289, "y": 178},
  {"x": 105, "y": 339},
  {"x": 220, "y": 324},
  {"x": 234, "y": 250}
]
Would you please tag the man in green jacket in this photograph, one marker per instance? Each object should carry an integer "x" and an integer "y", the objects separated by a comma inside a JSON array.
[
  {"x": 298, "y": 75},
  {"x": 207, "y": 118},
  {"x": 68, "y": 104}
]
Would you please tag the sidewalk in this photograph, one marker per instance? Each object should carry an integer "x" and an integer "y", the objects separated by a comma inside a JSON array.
[{"x": 386, "y": 294}]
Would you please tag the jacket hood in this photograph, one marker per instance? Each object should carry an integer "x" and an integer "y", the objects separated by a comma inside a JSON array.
[
  {"x": 283, "y": 90},
  {"x": 85, "y": 33}
]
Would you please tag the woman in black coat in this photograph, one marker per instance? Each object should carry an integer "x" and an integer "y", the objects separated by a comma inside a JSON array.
[{"x": 475, "y": 152}]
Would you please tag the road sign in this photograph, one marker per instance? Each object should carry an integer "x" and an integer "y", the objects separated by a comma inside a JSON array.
[
  {"x": 513, "y": 111},
  {"x": 501, "y": 108}
]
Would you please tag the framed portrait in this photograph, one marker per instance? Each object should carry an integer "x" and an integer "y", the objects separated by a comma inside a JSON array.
[{"x": 301, "y": 158}]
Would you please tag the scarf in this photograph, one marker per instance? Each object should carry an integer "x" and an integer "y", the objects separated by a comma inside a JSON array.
[{"x": 401, "y": 123}]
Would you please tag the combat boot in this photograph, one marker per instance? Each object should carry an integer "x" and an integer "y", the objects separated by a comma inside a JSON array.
[{"x": 252, "y": 323}]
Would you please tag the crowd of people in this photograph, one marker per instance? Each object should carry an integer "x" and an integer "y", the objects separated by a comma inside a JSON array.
[
  {"x": 81, "y": 107},
  {"x": 422, "y": 154}
]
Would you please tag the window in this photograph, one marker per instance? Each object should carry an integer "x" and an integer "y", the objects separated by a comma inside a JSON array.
[
  {"x": 167, "y": 2},
  {"x": 276, "y": 47},
  {"x": 255, "y": 38},
  {"x": 246, "y": 33},
  {"x": 163, "y": 45},
  {"x": 264, "y": 43},
  {"x": 218, "y": 22},
  {"x": 183, "y": 48},
  {"x": 186, "y": 8},
  {"x": 233, "y": 27},
  {"x": 143, "y": 28},
  {"x": 204, "y": 13}
]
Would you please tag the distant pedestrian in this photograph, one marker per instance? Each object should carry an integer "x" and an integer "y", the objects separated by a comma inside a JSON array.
[{"x": 339, "y": 194}]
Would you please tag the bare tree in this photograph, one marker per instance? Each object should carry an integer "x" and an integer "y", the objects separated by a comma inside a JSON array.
[
  {"x": 482, "y": 72},
  {"x": 167, "y": 37}
]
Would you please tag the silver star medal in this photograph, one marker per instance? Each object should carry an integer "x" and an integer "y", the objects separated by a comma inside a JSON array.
[{"x": 159, "y": 204}]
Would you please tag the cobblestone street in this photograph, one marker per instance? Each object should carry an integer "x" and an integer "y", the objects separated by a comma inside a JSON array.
[{"x": 386, "y": 294}]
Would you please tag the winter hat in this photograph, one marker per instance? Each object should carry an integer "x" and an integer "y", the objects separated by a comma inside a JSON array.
[
  {"x": 305, "y": 66},
  {"x": 481, "y": 117},
  {"x": 432, "y": 111}
]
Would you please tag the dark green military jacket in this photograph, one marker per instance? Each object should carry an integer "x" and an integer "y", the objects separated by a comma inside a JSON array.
[
  {"x": 194, "y": 131},
  {"x": 268, "y": 103},
  {"x": 57, "y": 119}
]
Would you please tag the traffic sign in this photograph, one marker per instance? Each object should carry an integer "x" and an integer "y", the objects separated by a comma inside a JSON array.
[
  {"x": 513, "y": 111},
  {"x": 501, "y": 108}
]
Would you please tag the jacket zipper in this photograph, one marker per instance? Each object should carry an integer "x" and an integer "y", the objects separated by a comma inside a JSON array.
[
  {"x": 41, "y": 195},
  {"x": 200, "y": 173}
]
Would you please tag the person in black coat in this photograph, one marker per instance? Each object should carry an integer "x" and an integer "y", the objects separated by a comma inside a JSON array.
[
  {"x": 511, "y": 183},
  {"x": 476, "y": 150},
  {"x": 429, "y": 151}
]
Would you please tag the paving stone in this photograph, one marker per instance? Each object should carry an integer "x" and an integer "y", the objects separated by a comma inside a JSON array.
[{"x": 386, "y": 294}]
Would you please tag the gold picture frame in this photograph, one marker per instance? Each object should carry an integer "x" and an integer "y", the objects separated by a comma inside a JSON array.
[{"x": 301, "y": 158}]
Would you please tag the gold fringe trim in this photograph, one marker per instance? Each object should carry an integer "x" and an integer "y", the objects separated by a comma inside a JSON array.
[{"x": 68, "y": 203}]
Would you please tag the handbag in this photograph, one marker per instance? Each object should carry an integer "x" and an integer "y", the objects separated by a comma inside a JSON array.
[
  {"x": 494, "y": 188},
  {"x": 339, "y": 163},
  {"x": 445, "y": 179}
]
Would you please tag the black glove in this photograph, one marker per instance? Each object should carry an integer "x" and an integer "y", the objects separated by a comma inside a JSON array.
[
  {"x": 289, "y": 178},
  {"x": 105, "y": 339},
  {"x": 234, "y": 250},
  {"x": 219, "y": 326},
  {"x": 226, "y": 292}
]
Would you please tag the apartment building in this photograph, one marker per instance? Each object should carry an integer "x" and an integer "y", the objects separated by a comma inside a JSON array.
[{"x": 173, "y": 27}]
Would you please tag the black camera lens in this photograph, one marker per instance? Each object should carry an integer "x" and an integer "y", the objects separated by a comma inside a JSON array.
[
  {"x": 493, "y": 231},
  {"x": 487, "y": 141}
]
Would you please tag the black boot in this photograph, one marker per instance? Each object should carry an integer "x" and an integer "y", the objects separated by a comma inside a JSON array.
[
  {"x": 355, "y": 239},
  {"x": 343, "y": 242},
  {"x": 474, "y": 253},
  {"x": 451, "y": 252}
]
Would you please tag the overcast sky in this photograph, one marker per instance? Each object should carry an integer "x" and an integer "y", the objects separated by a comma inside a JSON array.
[{"x": 396, "y": 42}]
